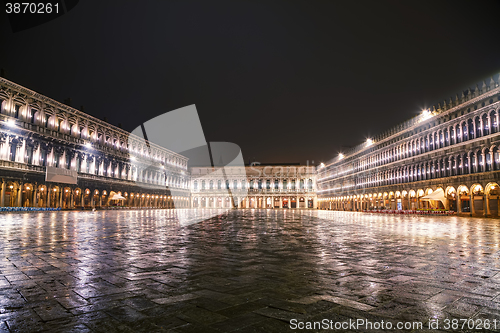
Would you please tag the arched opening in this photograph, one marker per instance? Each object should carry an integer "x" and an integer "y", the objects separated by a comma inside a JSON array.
[
  {"x": 487, "y": 160},
  {"x": 27, "y": 199},
  {"x": 66, "y": 199},
  {"x": 77, "y": 198},
  {"x": 86, "y": 198},
  {"x": 95, "y": 199},
  {"x": 426, "y": 204},
  {"x": 492, "y": 199},
  {"x": 310, "y": 203},
  {"x": 391, "y": 201},
  {"x": 285, "y": 202},
  {"x": 104, "y": 199},
  {"x": 54, "y": 197},
  {"x": 470, "y": 126},
  {"x": 480, "y": 162},
  {"x": 477, "y": 198},
  {"x": 464, "y": 199},
  {"x": 404, "y": 200},
  {"x": 41, "y": 196},
  {"x": 459, "y": 164},
  {"x": 477, "y": 125},
  {"x": 420, "y": 193},
  {"x": 493, "y": 122},
  {"x": 451, "y": 195},
  {"x": 496, "y": 158},
  {"x": 485, "y": 127}
]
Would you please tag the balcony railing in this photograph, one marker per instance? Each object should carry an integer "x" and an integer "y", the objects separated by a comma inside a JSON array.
[{"x": 21, "y": 166}]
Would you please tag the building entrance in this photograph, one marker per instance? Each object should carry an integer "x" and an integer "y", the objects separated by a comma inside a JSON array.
[
  {"x": 276, "y": 203},
  {"x": 285, "y": 203}
]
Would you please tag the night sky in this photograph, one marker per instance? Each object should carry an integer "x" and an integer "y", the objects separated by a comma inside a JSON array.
[{"x": 288, "y": 81}]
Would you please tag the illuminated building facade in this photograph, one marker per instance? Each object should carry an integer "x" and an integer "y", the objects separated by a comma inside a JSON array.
[
  {"x": 255, "y": 186},
  {"x": 38, "y": 135},
  {"x": 445, "y": 158}
]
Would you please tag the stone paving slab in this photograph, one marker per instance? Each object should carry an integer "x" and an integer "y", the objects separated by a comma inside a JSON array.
[{"x": 243, "y": 271}]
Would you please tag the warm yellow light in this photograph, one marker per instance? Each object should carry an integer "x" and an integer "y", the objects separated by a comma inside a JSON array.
[
  {"x": 341, "y": 156},
  {"x": 369, "y": 142}
]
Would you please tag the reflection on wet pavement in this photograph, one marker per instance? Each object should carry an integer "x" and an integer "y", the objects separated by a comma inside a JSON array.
[{"x": 245, "y": 270}]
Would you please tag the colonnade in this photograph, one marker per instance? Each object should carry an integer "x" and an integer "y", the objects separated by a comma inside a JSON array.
[
  {"x": 477, "y": 199},
  {"x": 254, "y": 201},
  {"x": 18, "y": 194}
]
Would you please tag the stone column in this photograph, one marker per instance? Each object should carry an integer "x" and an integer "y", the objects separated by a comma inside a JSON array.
[
  {"x": 492, "y": 160},
  {"x": 20, "y": 195},
  {"x": 2, "y": 194},
  {"x": 487, "y": 211},
  {"x": 48, "y": 194},
  {"x": 35, "y": 190}
]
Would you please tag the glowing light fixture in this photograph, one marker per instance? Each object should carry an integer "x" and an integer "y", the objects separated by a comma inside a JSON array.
[
  {"x": 341, "y": 156},
  {"x": 369, "y": 142},
  {"x": 426, "y": 114}
]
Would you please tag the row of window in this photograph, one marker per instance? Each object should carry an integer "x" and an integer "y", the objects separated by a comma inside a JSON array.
[
  {"x": 63, "y": 126},
  {"x": 303, "y": 184},
  {"x": 56, "y": 158},
  {"x": 452, "y": 134},
  {"x": 481, "y": 160}
]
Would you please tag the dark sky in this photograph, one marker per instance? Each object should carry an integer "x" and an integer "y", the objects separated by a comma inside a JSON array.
[{"x": 288, "y": 81}]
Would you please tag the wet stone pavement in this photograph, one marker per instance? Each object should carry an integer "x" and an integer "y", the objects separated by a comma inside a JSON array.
[{"x": 243, "y": 270}]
